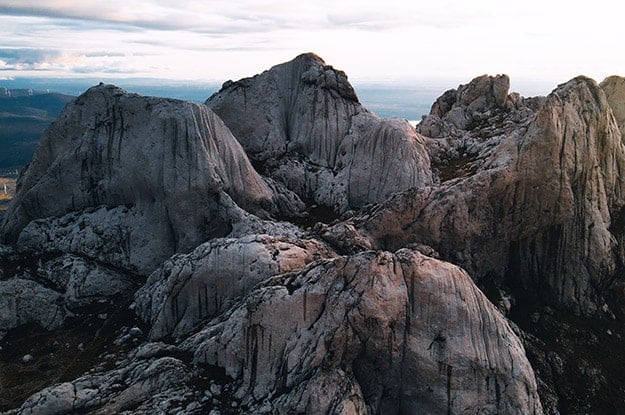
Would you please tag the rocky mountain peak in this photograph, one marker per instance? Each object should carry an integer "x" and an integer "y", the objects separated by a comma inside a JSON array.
[
  {"x": 103, "y": 89},
  {"x": 316, "y": 73},
  {"x": 305, "y": 69},
  {"x": 302, "y": 121},
  {"x": 581, "y": 88},
  {"x": 291, "y": 97},
  {"x": 310, "y": 56},
  {"x": 485, "y": 90},
  {"x": 482, "y": 93},
  {"x": 158, "y": 160},
  {"x": 474, "y": 266},
  {"x": 550, "y": 174}
]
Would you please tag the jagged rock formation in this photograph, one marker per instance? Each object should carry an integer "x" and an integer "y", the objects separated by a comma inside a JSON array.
[
  {"x": 466, "y": 105},
  {"x": 303, "y": 122},
  {"x": 363, "y": 315},
  {"x": 150, "y": 382},
  {"x": 121, "y": 182},
  {"x": 189, "y": 289},
  {"x": 24, "y": 301},
  {"x": 530, "y": 202},
  {"x": 167, "y": 171},
  {"x": 398, "y": 331},
  {"x": 371, "y": 333},
  {"x": 46, "y": 291},
  {"x": 537, "y": 194}
]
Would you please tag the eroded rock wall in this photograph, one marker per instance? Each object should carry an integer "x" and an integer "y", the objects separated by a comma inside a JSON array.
[
  {"x": 170, "y": 170},
  {"x": 303, "y": 122},
  {"x": 533, "y": 203}
]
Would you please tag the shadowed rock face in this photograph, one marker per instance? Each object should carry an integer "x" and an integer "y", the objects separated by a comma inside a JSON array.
[
  {"x": 173, "y": 165},
  {"x": 303, "y": 120},
  {"x": 537, "y": 204}
]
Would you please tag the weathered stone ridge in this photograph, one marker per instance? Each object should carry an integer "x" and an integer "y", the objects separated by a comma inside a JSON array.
[
  {"x": 189, "y": 289},
  {"x": 304, "y": 117},
  {"x": 471, "y": 265},
  {"x": 539, "y": 207},
  {"x": 400, "y": 329},
  {"x": 174, "y": 165}
]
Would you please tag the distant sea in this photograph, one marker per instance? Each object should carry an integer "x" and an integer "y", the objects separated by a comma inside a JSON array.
[{"x": 408, "y": 100}]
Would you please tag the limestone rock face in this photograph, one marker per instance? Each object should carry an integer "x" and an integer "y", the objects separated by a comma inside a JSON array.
[
  {"x": 271, "y": 113},
  {"x": 145, "y": 385},
  {"x": 24, "y": 301},
  {"x": 305, "y": 114},
  {"x": 367, "y": 313},
  {"x": 462, "y": 106},
  {"x": 191, "y": 288},
  {"x": 398, "y": 330},
  {"x": 174, "y": 165},
  {"x": 532, "y": 201},
  {"x": 121, "y": 237},
  {"x": 46, "y": 291},
  {"x": 373, "y": 332}
]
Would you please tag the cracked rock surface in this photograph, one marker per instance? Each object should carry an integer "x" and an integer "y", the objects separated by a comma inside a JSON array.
[
  {"x": 534, "y": 202},
  {"x": 302, "y": 122},
  {"x": 473, "y": 265},
  {"x": 401, "y": 326},
  {"x": 191, "y": 288},
  {"x": 169, "y": 171}
]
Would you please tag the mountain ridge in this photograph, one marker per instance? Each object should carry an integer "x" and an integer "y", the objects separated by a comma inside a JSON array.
[{"x": 474, "y": 264}]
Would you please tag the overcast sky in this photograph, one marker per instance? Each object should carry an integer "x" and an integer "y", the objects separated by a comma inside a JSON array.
[{"x": 378, "y": 40}]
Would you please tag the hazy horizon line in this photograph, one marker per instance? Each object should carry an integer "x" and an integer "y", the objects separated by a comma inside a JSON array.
[{"x": 523, "y": 85}]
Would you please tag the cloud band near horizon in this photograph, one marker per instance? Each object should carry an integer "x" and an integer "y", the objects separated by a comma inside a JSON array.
[{"x": 368, "y": 39}]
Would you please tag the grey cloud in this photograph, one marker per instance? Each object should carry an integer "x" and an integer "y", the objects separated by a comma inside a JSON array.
[
  {"x": 82, "y": 20},
  {"x": 378, "y": 20},
  {"x": 18, "y": 10},
  {"x": 27, "y": 56},
  {"x": 150, "y": 42},
  {"x": 74, "y": 21},
  {"x": 361, "y": 21},
  {"x": 240, "y": 16},
  {"x": 11, "y": 68},
  {"x": 101, "y": 69},
  {"x": 217, "y": 22},
  {"x": 104, "y": 54},
  {"x": 25, "y": 59},
  {"x": 259, "y": 46}
]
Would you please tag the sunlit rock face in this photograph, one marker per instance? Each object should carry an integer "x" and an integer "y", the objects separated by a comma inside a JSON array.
[
  {"x": 530, "y": 195},
  {"x": 614, "y": 89},
  {"x": 373, "y": 332},
  {"x": 402, "y": 333}
]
